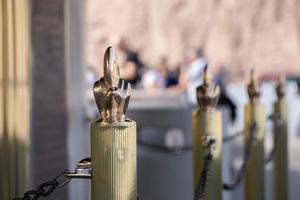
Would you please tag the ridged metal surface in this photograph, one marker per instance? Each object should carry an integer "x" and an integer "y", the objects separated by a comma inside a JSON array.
[
  {"x": 254, "y": 177},
  {"x": 113, "y": 149},
  {"x": 280, "y": 167},
  {"x": 208, "y": 123}
]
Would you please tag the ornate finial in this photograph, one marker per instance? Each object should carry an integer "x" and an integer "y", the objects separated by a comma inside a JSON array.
[
  {"x": 208, "y": 93},
  {"x": 111, "y": 73},
  {"x": 280, "y": 89},
  {"x": 253, "y": 88},
  {"x": 111, "y": 93}
]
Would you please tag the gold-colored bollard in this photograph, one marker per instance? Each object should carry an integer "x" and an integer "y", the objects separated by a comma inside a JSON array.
[
  {"x": 113, "y": 138},
  {"x": 280, "y": 166},
  {"x": 207, "y": 122},
  {"x": 113, "y": 149},
  {"x": 254, "y": 113}
]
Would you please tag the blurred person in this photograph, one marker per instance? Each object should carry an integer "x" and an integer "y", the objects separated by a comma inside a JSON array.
[
  {"x": 153, "y": 80},
  {"x": 156, "y": 79},
  {"x": 171, "y": 77},
  {"x": 224, "y": 100},
  {"x": 191, "y": 78},
  {"x": 160, "y": 78},
  {"x": 132, "y": 67}
]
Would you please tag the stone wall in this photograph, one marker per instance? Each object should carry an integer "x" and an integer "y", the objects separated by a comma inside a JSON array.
[
  {"x": 264, "y": 34},
  {"x": 48, "y": 97}
]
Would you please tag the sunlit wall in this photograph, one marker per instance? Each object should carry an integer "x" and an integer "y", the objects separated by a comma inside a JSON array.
[{"x": 240, "y": 34}]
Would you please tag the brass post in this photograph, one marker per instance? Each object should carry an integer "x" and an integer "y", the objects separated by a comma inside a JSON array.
[
  {"x": 113, "y": 137},
  {"x": 254, "y": 112},
  {"x": 280, "y": 166},
  {"x": 207, "y": 122}
]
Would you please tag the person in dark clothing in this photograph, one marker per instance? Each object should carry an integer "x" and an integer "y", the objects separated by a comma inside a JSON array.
[
  {"x": 224, "y": 99},
  {"x": 171, "y": 77},
  {"x": 133, "y": 67}
]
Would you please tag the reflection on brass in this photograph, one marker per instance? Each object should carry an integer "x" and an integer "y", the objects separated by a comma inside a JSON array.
[
  {"x": 207, "y": 126},
  {"x": 253, "y": 88},
  {"x": 114, "y": 156},
  {"x": 208, "y": 93},
  {"x": 254, "y": 174},
  {"x": 280, "y": 138},
  {"x": 111, "y": 93},
  {"x": 280, "y": 89}
]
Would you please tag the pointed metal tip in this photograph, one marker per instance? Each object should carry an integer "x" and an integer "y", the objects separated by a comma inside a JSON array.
[
  {"x": 252, "y": 76},
  {"x": 111, "y": 72},
  {"x": 122, "y": 85},
  {"x": 252, "y": 73},
  {"x": 110, "y": 51},
  {"x": 253, "y": 88},
  {"x": 205, "y": 68},
  {"x": 109, "y": 57},
  {"x": 280, "y": 87},
  {"x": 129, "y": 90},
  {"x": 205, "y": 74}
]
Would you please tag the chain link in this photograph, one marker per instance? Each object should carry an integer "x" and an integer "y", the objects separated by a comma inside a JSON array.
[
  {"x": 241, "y": 171},
  {"x": 165, "y": 149},
  {"x": 276, "y": 120},
  {"x": 47, "y": 188},
  {"x": 186, "y": 148},
  {"x": 233, "y": 136},
  {"x": 203, "y": 180}
]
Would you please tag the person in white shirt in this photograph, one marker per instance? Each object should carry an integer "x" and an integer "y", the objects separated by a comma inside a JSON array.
[{"x": 192, "y": 77}]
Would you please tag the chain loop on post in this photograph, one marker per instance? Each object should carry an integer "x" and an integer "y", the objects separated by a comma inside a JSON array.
[
  {"x": 277, "y": 119},
  {"x": 241, "y": 171},
  {"x": 202, "y": 184}
]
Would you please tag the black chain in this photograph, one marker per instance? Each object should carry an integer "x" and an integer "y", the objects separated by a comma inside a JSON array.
[
  {"x": 165, "y": 149},
  {"x": 241, "y": 171},
  {"x": 232, "y": 137},
  {"x": 180, "y": 150},
  {"x": 46, "y": 188},
  {"x": 276, "y": 119},
  {"x": 203, "y": 180}
]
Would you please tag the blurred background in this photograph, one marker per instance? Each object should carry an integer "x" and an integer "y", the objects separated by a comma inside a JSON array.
[{"x": 51, "y": 53}]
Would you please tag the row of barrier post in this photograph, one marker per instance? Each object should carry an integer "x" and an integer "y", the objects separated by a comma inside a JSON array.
[
  {"x": 254, "y": 113},
  {"x": 280, "y": 161},
  {"x": 112, "y": 167},
  {"x": 207, "y": 123}
]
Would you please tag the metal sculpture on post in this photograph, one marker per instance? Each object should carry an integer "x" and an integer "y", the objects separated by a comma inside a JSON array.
[
  {"x": 207, "y": 142},
  {"x": 113, "y": 163},
  {"x": 280, "y": 166},
  {"x": 254, "y": 113},
  {"x": 113, "y": 137}
]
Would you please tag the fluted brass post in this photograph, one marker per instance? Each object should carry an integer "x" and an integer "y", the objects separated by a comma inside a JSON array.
[
  {"x": 113, "y": 137},
  {"x": 254, "y": 112},
  {"x": 207, "y": 122},
  {"x": 280, "y": 166}
]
